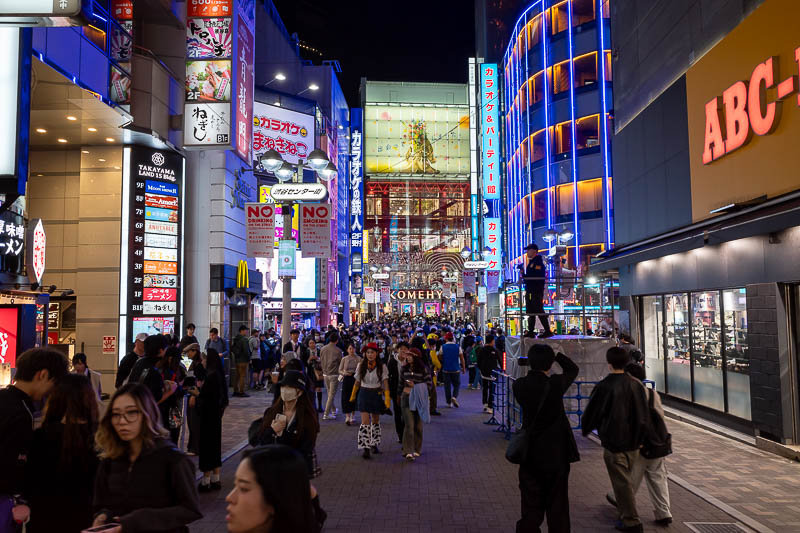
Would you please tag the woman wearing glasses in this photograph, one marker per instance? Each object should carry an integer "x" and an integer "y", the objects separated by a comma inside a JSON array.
[{"x": 143, "y": 483}]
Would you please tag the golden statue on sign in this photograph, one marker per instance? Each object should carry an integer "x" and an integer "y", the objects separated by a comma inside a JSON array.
[{"x": 419, "y": 155}]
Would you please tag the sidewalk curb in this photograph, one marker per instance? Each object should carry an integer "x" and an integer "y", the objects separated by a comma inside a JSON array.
[
  {"x": 711, "y": 500},
  {"x": 225, "y": 456}
]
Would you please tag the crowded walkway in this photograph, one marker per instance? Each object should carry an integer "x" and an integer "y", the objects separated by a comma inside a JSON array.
[{"x": 462, "y": 482}]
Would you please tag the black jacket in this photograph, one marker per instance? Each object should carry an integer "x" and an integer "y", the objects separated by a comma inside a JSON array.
[
  {"x": 488, "y": 360},
  {"x": 16, "y": 433},
  {"x": 289, "y": 348},
  {"x": 153, "y": 380},
  {"x": 534, "y": 275},
  {"x": 618, "y": 410},
  {"x": 59, "y": 495},
  {"x": 155, "y": 493},
  {"x": 125, "y": 367},
  {"x": 553, "y": 444}
]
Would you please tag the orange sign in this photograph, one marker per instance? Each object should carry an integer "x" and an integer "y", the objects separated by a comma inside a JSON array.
[
  {"x": 209, "y": 8},
  {"x": 160, "y": 267},
  {"x": 746, "y": 109}
]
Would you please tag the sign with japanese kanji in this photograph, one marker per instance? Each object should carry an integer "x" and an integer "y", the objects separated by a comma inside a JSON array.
[
  {"x": 209, "y": 8},
  {"x": 469, "y": 278},
  {"x": 109, "y": 344},
  {"x": 356, "y": 222},
  {"x": 35, "y": 254},
  {"x": 492, "y": 238},
  {"x": 206, "y": 124},
  {"x": 243, "y": 63},
  {"x": 490, "y": 131},
  {"x": 298, "y": 192},
  {"x": 9, "y": 325},
  {"x": 208, "y": 38},
  {"x": 492, "y": 281},
  {"x": 288, "y": 132},
  {"x": 260, "y": 224},
  {"x": 315, "y": 230}
]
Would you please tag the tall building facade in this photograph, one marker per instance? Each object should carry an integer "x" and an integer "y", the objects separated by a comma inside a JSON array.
[
  {"x": 416, "y": 189},
  {"x": 558, "y": 113}
]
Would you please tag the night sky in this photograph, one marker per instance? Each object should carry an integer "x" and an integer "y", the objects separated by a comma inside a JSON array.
[{"x": 413, "y": 40}]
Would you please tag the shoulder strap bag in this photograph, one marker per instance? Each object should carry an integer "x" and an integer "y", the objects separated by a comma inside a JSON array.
[
  {"x": 658, "y": 442},
  {"x": 517, "y": 451}
]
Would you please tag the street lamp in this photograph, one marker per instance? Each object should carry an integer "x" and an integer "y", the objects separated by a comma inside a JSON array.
[
  {"x": 566, "y": 235},
  {"x": 550, "y": 235},
  {"x": 387, "y": 268},
  {"x": 284, "y": 171},
  {"x": 466, "y": 252},
  {"x": 278, "y": 77},
  {"x": 373, "y": 268},
  {"x": 486, "y": 251},
  {"x": 312, "y": 87}
]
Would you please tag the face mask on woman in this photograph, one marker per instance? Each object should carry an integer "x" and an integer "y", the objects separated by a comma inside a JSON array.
[{"x": 289, "y": 394}]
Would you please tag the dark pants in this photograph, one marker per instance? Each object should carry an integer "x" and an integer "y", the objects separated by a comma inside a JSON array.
[
  {"x": 487, "y": 391},
  {"x": 398, "y": 417},
  {"x": 452, "y": 381},
  {"x": 472, "y": 370},
  {"x": 544, "y": 494},
  {"x": 534, "y": 306},
  {"x": 432, "y": 397}
]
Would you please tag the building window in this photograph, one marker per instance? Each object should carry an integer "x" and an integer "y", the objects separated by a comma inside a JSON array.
[
  {"x": 653, "y": 339},
  {"x": 607, "y": 55},
  {"x": 737, "y": 358},
  {"x": 565, "y": 204},
  {"x": 606, "y": 9},
  {"x": 560, "y": 17},
  {"x": 582, "y": 12},
  {"x": 590, "y": 196},
  {"x": 563, "y": 137},
  {"x": 679, "y": 376},
  {"x": 586, "y": 70},
  {"x": 586, "y": 132},
  {"x": 537, "y": 142},
  {"x": 707, "y": 350},
  {"x": 560, "y": 74},
  {"x": 534, "y": 31},
  {"x": 540, "y": 205}
]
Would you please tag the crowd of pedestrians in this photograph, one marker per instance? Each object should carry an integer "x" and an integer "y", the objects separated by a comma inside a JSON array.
[{"x": 116, "y": 463}]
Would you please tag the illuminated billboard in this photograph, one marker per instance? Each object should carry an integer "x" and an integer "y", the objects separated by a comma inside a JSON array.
[
  {"x": 417, "y": 140},
  {"x": 289, "y": 132}
]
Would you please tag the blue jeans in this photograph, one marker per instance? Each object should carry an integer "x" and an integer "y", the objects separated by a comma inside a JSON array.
[{"x": 451, "y": 380}]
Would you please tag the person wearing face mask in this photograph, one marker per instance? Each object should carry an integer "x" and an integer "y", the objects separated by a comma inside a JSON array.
[
  {"x": 271, "y": 494},
  {"x": 292, "y": 420}
]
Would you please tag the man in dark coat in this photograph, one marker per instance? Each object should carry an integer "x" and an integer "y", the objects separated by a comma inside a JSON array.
[
  {"x": 534, "y": 273},
  {"x": 544, "y": 476}
]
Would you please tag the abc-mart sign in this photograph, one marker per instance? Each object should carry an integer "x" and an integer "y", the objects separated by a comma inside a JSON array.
[{"x": 745, "y": 108}]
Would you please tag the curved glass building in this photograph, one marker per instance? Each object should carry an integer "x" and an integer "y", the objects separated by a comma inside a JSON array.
[{"x": 557, "y": 69}]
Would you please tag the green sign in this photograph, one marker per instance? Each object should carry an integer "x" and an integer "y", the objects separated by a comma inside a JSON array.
[{"x": 286, "y": 259}]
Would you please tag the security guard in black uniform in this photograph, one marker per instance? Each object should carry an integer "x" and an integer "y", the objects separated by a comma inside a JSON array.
[{"x": 534, "y": 273}]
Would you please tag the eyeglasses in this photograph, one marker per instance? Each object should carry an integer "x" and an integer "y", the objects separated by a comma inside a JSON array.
[{"x": 130, "y": 416}]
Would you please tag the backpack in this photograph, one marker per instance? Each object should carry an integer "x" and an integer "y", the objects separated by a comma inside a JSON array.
[{"x": 658, "y": 442}]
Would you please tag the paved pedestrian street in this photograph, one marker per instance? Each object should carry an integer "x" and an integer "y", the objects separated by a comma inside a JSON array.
[{"x": 462, "y": 482}]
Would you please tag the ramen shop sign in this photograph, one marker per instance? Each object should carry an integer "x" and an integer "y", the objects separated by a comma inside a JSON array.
[{"x": 745, "y": 108}]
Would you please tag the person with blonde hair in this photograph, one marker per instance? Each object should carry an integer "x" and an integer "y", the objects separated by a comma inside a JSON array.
[{"x": 143, "y": 483}]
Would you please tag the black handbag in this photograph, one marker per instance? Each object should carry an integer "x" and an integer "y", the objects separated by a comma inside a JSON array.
[
  {"x": 517, "y": 450},
  {"x": 658, "y": 442}
]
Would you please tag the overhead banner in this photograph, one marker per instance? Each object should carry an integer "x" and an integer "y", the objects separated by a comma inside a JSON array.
[
  {"x": 315, "y": 230},
  {"x": 385, "y": 295},
  {"x": 152, "y": 241},
  {"x": 490, "y": 132},
  {"x": 492, "y": 281},
  {"x": 469, "y": 278},
  {"x": 260, "y": 223},
  {"x": 244, "y": 80},
  {"x": 420, "y": 140},
  {"x": 288, "y": 132}
]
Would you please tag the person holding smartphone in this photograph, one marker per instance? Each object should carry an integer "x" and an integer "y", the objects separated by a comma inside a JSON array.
[
  {"x": 143, "y": 483},
  {"x": 415, "y": 378}
]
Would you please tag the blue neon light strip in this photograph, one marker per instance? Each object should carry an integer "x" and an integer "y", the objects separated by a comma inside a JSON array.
[
  {"x": 573, "y": 127},
  {"x": 528, "y": 186},
  {"x": 546, "y": 120},
  {"x": 601, "y": 57}
]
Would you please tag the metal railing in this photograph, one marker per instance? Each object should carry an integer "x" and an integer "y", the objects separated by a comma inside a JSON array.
[{"x": 507, "y": 413}]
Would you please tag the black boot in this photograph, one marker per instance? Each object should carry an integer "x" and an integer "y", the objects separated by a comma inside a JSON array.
[
  {"x": 319, "y": 512},
  {"x": 365, "y": 454}
]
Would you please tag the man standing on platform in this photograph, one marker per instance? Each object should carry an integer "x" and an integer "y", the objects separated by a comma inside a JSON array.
[{"x": 534, "y": 273}]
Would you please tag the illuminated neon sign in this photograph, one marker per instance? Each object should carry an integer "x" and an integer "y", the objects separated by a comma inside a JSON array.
[
  {"x": 744, "y": 109},
  {"x": 490, "y": 131}
]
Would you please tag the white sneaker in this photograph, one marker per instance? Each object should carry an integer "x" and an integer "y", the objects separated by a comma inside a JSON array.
[
  {"x": 455, "y": 403},
  {"x": 485, "y": 407},
  {"x": 490, "y": 410},
  {"x": 416, "y": 454}
]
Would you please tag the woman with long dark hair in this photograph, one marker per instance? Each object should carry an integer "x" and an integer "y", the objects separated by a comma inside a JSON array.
[
  {"x": 194, "y": 381},
  {"x": 171, "y": 369},
  {"x": 414, "y": 375},
  {"x": 212, "y": 399},
  {"x": 271, "y": 494},
  {"x": 372, "y": 392},
  {"x": 347, "y": 372},
  {"x": 62, "y": 461},
  {"x": 314, "y": 369},
  {"x": 143, "y": 483}
]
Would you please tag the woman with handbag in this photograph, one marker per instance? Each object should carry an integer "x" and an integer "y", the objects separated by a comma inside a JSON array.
[
  {"x": 347, "y": 371},
  {"x": 212, "y": 398},
  {"x": 372, "y": 379},
  {"x": 315, "y": 370},
  {"x": 171, "y": 369}
]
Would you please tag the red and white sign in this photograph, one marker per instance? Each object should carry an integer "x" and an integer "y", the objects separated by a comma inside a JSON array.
[
  {"x": 35, "y": 252},
  {"x": 160, "y": 295},
  {"x": 209, "y": 8},
  {"x": 260, "y": 222},
  {"x": 315, "y": 230},
  {"x": 369, "y": 294},
  {"x": 386, "y": 294},
  {"x": 746, "y": 108},
  {"x": 159, "y": 200},
  {"x": 9, "y": 321},
  {"x": 289, "y": 132},
  {"x": 164, "y": 228},
  {"x": 109, "y": 344}
]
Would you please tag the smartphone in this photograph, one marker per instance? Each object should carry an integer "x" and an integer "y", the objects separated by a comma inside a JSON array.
[
  {"x": 280, "y": 417},
  {"x": 104, "y": 527}
]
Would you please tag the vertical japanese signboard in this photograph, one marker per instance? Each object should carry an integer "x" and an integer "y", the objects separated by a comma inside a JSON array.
[
  {"x": 151, "y": 291},
  {"x": 260, "y": 222},
  {"x": 356, "y": 220},
  {"x": 492, "y": 236},
  {"x": 219, "y": 75},
  {"x": 490, "y": 132},
  {"x": 315, "y": 230}
]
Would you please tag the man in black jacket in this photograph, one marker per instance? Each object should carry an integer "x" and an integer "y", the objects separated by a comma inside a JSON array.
[
  {"x": 145, "y": 371},
  {"x": 618, "y": 409},
  {"x": 488, "y": 362},
  {"x": 534, "y": 274},
  {"x": 38, "y": 370},
  {"x": 128, "y": 362},
  {"x": 544, "y": 476}
]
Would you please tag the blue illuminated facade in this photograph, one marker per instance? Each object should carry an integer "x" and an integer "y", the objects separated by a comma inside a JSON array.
[{"x": 557, "y": 119}]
